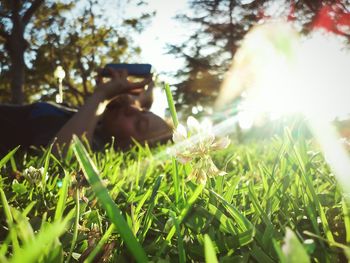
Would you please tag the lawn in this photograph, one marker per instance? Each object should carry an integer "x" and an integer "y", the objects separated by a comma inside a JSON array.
[{"x": 278, "y": 202}]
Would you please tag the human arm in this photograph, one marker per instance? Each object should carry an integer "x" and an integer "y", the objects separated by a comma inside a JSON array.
[
  {"x": 145, "y": 98},
  {"x": 85, "y": 120}
]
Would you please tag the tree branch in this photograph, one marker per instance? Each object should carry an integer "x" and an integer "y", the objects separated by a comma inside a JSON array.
[
  {"x": 31, "y": 10},
  {"x": 309, "y": 5}
]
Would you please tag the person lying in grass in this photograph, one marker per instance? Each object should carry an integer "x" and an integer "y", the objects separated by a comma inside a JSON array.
[{"x": 109, "y": 112}]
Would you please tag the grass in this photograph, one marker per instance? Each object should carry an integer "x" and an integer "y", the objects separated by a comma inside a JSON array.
[
  {"x": 93, "y": 206},
  {"x": 279, "y": 202}
]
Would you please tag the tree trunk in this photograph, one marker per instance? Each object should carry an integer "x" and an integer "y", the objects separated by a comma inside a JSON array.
[
  {"x": 16, "y": 46},
  {"x": 17, "y": 77}
]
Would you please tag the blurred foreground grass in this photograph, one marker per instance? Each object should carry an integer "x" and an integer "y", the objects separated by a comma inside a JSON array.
[{"x": 279, "y": 202}]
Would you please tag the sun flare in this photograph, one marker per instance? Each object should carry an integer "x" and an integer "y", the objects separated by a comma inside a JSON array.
[{"x": 280, "y": 72}]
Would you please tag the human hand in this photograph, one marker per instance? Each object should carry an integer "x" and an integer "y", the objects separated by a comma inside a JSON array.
[
  {"x": 145, "y": 98},
  {"x": 119, "y": 84}
]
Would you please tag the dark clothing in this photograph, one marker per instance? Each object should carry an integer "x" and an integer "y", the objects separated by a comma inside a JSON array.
[{"x": 35, "y": 124}]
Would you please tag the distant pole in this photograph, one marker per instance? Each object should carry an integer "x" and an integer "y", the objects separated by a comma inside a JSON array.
[{"x": 59, "y": 75}]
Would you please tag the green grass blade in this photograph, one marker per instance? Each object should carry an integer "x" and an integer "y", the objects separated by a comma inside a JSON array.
[
  {"x": 182, "y": 215},
  {"x": 180, "y": 243},
  {"x": 278, "y": 251},
  {"x": 185, "y": 210},
  {"x": 152, "y": 201},
  {"x": 3, "y": 259},
  {"x": 226, "y": 224},
  {"x": 171, "y": 105},
  {"x": 4, "y": 247},
  {"x": 173, "y": 113},
  {"x": 346, "y": 213},
  {"x": 7, "y": 157},
  {"x": 293, "y": 250},
  {"x": 32, "y": 250},
  {"x": 6, "y": 206},
  {"x": 176, "y": 179},
  {"x": 107, "y": 202},
  {"x": 75, "y": 231},
  {"x": 61, "y": 204},
  {"x": 142, "y": 201},
  {"x": 29, "y": 208},
  {"x": 260, "y": 255},
  {"x": 313, "y": 196},
  {"x": 209, "y": 251},
  {"x": 241, "y": 220},
  {"x": 9, "y": 219},
  {"x": 260, "y": 211},
  {"x": 13, "y": 163},
  {"x": 23, "y": 228},
  {"x": 46, "y": 166}
]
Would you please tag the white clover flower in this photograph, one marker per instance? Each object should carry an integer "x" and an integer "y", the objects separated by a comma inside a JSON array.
[
  {"x": 33, "y": 175},
  {"x": 197, "y": 142}
]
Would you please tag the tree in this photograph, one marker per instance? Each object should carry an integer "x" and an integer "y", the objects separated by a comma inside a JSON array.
[
  {"x": 220, "y": 25},
  {"x": 14, "y": 18},
  {"x": 80, "y": 45}
]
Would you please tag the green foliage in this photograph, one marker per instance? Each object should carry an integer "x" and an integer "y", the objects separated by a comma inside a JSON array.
[
  {"x": 209, "y": 250},
  {"x": 106, "y": 201},
  {"x": 217, "y": 29},
  {"x": 277, "y": 194},
  {"x": 76, "y": 35},
  {"x": 171, "y": 105}
]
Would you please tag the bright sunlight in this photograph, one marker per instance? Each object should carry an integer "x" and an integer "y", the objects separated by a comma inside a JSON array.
[{"x": 278, "y": 72}]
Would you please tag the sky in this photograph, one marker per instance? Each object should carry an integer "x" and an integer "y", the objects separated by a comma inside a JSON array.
[{"x": 162, "y": 29}]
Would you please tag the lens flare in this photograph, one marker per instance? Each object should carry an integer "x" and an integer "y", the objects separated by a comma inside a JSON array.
[{"x": 282, "y": 73}]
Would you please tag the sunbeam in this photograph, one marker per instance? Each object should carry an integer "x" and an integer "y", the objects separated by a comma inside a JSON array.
[{"x": 283, "y": 73}]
